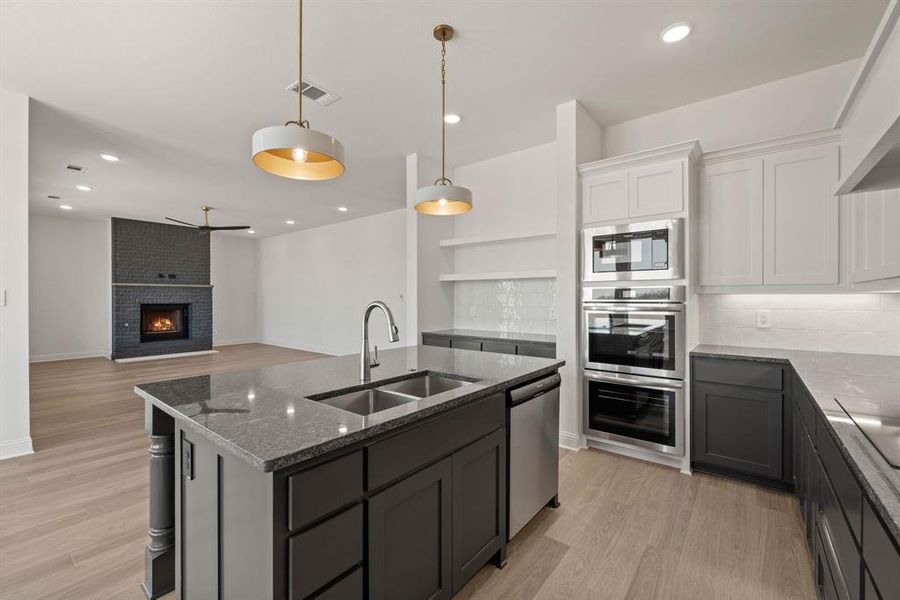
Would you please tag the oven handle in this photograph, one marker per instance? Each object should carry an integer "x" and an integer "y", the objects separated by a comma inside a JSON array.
[
  {"x": 651, "y": 383},
  {"x": 608, "y": 308}
]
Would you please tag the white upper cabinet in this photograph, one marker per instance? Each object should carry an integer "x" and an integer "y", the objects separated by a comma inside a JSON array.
[
  {"x": 768, "y": 215},
  {"x": 605, "y": 197},
  {"x": 801, "y": 227},
  {"x": 731, "y": 223},
  {"x": 644, "y": 184},
  {"x": 875, "y": 235},
  {"x": 656, "y": 189}
]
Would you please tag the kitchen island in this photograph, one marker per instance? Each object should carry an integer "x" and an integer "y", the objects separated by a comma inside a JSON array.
[{"x": 299, "y": 481}]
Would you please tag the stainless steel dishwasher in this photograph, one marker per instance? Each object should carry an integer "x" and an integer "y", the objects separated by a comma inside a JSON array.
[{"x": 533, "y": 425}]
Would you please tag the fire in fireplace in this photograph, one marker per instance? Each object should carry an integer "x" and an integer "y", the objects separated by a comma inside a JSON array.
[{"x": 164, "y": 322}]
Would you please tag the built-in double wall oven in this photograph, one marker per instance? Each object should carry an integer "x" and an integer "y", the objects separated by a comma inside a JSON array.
[{"x": 633, "y": 343}]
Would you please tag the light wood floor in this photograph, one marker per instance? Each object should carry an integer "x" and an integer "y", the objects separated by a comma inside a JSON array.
[{"x": 73, "y": 516}]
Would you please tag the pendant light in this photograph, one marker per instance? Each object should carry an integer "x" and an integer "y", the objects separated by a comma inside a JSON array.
[
  {"x": 443, "y": 198},
  {"x": 294, "y": 150}
]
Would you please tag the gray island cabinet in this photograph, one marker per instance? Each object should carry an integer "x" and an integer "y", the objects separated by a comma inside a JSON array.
[{"x": 277, "y": 494}]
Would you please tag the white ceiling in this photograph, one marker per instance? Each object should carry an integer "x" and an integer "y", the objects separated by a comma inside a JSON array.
[{"x": 176, "y": 88}]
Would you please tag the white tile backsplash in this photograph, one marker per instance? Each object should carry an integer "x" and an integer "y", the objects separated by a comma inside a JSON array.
[
  {"x": 858, "y": 323},
  {"x": 509, "y": 305}
]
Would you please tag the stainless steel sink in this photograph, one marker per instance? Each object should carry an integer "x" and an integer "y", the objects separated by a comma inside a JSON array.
[
  {"x": 367, "y": 402},
  {"x": 424, "y": 385}
]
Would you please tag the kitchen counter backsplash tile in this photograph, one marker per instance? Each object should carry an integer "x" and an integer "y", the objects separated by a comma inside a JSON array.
[
  {"x": 856, "y": 323},
  {"x": 508, "y": 305}
]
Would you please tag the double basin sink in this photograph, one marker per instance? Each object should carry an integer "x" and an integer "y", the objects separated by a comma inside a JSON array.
[{"x": 370, "y": 401}]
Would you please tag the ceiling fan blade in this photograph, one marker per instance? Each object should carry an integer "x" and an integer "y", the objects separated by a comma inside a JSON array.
[
  {"x": 229, "y": 228},
  {"x": 182, "y": 222}
]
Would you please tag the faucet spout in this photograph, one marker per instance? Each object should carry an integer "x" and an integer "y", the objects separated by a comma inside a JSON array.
[{"x": 365, "y": 361}]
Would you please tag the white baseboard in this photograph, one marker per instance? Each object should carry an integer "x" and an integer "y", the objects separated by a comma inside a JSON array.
[
  {"x": 290, "y": 346},
  {"x": 165, "y": 356},
  {"x": 235, "y": 342},
  {"x": 67, "y": 356},
  {"x": 570, "y": 441},
  {"x": 638, "y": 453},
  {"x": 19, "y": 447}
]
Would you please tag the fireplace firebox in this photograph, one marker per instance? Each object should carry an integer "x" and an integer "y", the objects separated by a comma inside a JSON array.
[{"x": 164, "y": 322}]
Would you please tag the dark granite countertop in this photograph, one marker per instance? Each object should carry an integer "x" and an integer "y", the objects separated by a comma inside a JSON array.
[
  {"x": 264, "y": 415},
  {"x": 500, "y": 336},
  {"x": 861, "y": 382}
]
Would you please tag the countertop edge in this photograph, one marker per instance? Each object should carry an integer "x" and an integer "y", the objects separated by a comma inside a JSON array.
[{"x": 870, "y": 491}]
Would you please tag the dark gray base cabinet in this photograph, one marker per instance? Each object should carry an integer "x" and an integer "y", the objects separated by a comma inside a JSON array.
[
  {"x": 740, "y": 421},
  {"x": 412, "y": 514}
]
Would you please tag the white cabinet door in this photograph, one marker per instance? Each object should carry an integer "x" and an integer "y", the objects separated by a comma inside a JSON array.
[
  {"x": 731, "y": 223},
  {"x": 876, "y": 235},
  {"x": 656, "y": 189},
  {"x": 605, "y": 197},
  {"x": 800, "y": 216}
]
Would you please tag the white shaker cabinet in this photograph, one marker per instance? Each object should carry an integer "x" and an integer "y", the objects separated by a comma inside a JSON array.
[
  {"x": 875, "y": 235},
  {"x": 605, "y": 196},
  {"x": 656, "y": 189},
  {"x": 731, "y": 223},
  {"x": 801, "y": 216}
]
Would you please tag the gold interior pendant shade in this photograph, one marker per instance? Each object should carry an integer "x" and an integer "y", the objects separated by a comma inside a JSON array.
[
  {"x": 443, "y": 198},
  {"x": 294, "y": 150}
]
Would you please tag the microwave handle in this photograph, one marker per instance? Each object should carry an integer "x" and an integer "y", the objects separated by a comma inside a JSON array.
[{"x": 671, "y": 385}]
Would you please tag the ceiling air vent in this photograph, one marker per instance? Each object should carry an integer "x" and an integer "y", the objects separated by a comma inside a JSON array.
[
  {"x": 53, "y": 197},
  {"x": 75, "y": 168},
  {"x": 315, "y": 93}
]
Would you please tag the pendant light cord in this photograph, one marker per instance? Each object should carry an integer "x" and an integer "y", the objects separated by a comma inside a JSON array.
[
  {"x": 443, "y": 179},
  {"x": 299, "y": 122}
]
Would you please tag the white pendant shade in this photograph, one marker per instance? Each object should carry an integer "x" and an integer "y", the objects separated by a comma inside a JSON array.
[
  {"x": 443, "y": 200},
  {"x": 276, "y": 150}
]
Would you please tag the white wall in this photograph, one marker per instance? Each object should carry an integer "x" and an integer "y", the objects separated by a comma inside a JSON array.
[
  {"x": 857, "y": 323},
  {"x": 70, "y": 293},
  {"x": 798, "y": 104},
  {"x": 314, "y": 284},
  {"x": 512, "y": 193},
  {"x": 233, "y": 274},
  {"x": 15, "y": 428}
]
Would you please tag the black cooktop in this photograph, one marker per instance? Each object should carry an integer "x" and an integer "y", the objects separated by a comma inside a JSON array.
[{"x": 883, "y": 430}]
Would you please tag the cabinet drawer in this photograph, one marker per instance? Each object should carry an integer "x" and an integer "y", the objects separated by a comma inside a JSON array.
[
  {"x": 406, "y": 451},
  {"x": 845, "y": 487},
  {"x": 314, "y": 493},
  {"x": 499, "y": 347},
  {"x": 882, "y": 557},
  {"x": 842, "y": 552},
  {"x": 539, "y": 350},
  {"x": 435, "y": 340},
  {"x": 349, "y": 587},
  {"x": 739, "y": 372},
  {"x": 465, "y": 344},
  {"x": 324, "y": 552}
]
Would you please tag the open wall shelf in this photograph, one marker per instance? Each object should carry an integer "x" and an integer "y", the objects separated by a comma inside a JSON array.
[
  {"x": 500, "y": 237},
  {"x": 542, "y": 274}
]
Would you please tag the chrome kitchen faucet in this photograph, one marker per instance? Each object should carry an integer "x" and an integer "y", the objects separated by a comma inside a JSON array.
[{"x": 365, "y": 361}]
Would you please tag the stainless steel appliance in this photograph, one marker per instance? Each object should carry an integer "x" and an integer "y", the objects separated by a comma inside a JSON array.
[
  {"x": 533, "y": 450},
  {"x": 651, "y": 250},
  {"x": 640, "y": 411},
  {"x": 634, "y": 330},
  {"x": 634, "y": 357}
]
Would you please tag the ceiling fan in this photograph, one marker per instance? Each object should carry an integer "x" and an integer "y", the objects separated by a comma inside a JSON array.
[{"x": 206, "y": 227}]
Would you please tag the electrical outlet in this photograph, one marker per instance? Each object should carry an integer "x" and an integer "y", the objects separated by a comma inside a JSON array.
[
  {"x": 763, "y": 319},
  {"x": 472, "y": 312}
]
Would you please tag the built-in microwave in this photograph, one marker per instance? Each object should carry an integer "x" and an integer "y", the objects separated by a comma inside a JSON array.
[{"x": 650, "y": 250}]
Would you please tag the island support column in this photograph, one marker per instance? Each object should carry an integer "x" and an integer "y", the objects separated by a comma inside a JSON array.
[{"x": 159, "y": 554}]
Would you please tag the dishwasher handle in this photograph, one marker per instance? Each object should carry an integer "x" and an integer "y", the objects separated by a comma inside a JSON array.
[{"x": 534, "y": 389}]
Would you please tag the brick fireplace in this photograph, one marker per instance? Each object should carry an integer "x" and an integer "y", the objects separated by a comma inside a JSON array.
[{"x": 161, "y": 293}]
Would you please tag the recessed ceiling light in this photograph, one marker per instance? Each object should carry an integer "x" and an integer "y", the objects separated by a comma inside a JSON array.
[
  {"x": 290, "y": 221},
  {"x": 452, "y": 119},
  {"x": 65, "y": 207},
  {"x": 251, "y": 231},
  {"x": 83, "y": 188},
  {"x": 675, "y": 32},
  {"x": 342, "y": 208},
  {"x": 109, "y": 157}
]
